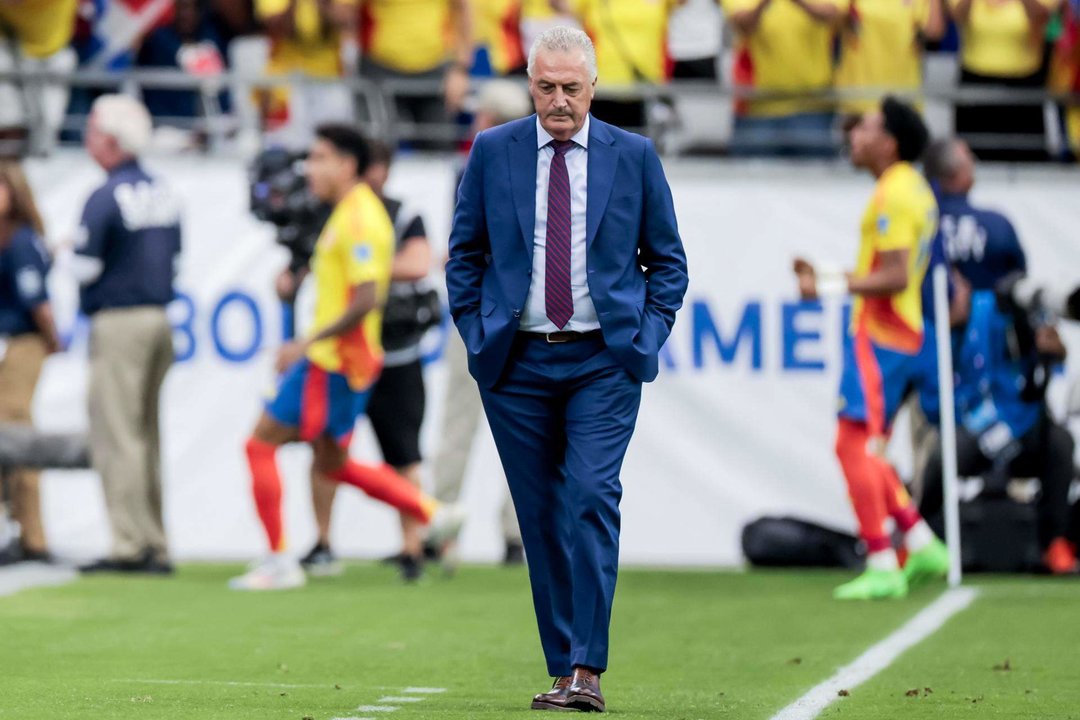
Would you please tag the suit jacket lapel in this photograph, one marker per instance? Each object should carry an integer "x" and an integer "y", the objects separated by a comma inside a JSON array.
[
  {"x": 523, "y": 180},
  {"x": 603, "y": 159}
]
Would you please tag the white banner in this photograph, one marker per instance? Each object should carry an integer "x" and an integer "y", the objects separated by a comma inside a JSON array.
[{"x": 739, "y": 424}]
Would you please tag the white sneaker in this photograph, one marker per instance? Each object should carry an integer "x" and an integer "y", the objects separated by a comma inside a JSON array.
[
  {"x": 450, "y": 558},
  {"x": 445, "y": 525},
  {"x": 276, "y": 572}
]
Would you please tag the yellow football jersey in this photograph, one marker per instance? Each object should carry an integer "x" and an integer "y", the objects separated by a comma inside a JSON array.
[
  {"x": 356, "y": 247},
  {"x": 902, "y": 215}
]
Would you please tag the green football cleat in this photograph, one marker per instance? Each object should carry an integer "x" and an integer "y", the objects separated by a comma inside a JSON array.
[
  {"x": 930, "y": 563},
  {"x": 874, "y": 585}
]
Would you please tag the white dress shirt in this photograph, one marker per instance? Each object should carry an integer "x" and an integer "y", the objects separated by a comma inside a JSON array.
[{"x": 534, "y": 316}]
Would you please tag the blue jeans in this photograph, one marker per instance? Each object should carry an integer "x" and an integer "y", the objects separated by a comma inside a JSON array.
[{"x": 799, "y": 135}]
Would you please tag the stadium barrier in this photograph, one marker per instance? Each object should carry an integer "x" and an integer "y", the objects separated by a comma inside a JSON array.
[
  {"x": 740, "y": 423},
  {"x": 374, "y": 103}
]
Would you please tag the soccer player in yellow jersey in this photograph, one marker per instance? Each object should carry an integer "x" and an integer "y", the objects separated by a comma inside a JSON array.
[
  {"x": 327, "y": 377},
  {"x": 881, "y": 346}
]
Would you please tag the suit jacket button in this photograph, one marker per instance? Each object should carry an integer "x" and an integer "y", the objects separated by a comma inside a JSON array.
[{"x": 517, "y": 313}]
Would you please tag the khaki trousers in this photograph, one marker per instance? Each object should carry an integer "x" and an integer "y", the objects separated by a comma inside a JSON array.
[
  {"x": 19, "y": 372},
  {"x": 130, "y": 353}
]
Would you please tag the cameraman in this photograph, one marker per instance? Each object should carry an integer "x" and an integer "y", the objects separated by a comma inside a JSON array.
[
  {"x": 1019, "y": 291},
  {"x": 1004, "y": 427},
  {"x": 396, "y": 408}
]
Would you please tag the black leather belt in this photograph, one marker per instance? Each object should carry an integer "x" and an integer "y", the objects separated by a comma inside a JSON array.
[{"x": 565, "y": 336}]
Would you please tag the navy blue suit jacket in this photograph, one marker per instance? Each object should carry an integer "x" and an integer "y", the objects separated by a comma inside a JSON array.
[{"x": 636, "y": 265}]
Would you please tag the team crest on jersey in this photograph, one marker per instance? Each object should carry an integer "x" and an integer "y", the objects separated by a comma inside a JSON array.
[
  {"x": 882, "y": 224},
  {"x": 362, "y": 253}
]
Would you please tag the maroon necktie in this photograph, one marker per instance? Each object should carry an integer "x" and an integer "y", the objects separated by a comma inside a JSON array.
[{"x": 558, "y": 297}]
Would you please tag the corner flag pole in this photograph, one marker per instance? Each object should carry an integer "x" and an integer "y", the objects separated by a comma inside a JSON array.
[{"x": 948, "y": 421}]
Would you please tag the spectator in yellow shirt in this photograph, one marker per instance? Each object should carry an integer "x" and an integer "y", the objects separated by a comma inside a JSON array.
[
  {"x": 40, "y": 32},
  {"x": 307, "y": 37},
  {"x": 785, "y": 46},
  {"x": 1003, "y": 45},
  {"x": 540, "y": 15},
  {"x": 881, "y": 49},
  {"x": 1065, "y": 73},
  {"x": 695, "y": 40},
  {"x": 498, "y": 38},
  {"x": 419, "y": 40},
  {"x": 631, "y": 47}
]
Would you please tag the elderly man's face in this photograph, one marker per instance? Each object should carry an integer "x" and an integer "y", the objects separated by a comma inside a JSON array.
[
  {"x": 100, "y": 146},
  {"x": 562, "y": 91}
]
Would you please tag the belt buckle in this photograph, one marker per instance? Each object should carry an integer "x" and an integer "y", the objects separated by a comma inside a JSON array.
[{"x": 549, "y": 337}]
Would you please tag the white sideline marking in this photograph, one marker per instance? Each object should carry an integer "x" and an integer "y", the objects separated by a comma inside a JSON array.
[
  {"x": 377, "y": 708},
  {"x": 400, "y": 699},
  {"x": 928, "y": 621},
  {"x": 423, "y": 691},
  {"x": 228, "y": 683},
  {"x": 29, "y": 575}
]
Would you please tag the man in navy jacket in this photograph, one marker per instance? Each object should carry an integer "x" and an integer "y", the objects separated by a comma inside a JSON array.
[{"x": 565, "y": 273}]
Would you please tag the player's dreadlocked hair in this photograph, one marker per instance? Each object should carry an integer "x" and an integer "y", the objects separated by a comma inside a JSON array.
[{"x": 905, "y": 124}]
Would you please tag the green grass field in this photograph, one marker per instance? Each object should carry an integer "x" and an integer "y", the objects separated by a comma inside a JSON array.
[{"x": 686, "y": 645}]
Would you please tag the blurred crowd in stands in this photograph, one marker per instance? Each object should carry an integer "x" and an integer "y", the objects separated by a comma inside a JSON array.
[{"x": 796, "y": 68}]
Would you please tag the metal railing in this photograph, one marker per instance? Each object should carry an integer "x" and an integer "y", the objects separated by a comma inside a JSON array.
[{"x": 374, "y": 103}]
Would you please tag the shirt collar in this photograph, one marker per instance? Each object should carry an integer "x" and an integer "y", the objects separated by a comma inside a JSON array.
[
  {"x": 543, "y": 137},
  {"x": 953, "y": 197},
  {"x": 129, "y": 164}
]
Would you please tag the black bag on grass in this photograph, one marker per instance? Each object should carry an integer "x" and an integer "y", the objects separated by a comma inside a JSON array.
[
  {"x": 789, "y": 542},
  {"x": 997, "y": 535}
]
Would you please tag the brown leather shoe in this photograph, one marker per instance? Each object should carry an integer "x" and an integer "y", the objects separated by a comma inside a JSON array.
[
  {"x": 555, "y": 699},
  {"x": 584, "y": 693}
]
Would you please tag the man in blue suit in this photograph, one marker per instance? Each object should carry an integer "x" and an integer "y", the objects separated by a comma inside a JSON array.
[{"x": 565, "y": 273}]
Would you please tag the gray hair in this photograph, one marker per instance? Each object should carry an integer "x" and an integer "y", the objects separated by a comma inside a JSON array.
[
  {"x": 566, "y": 39},
  {"x": 942, "y": 160},
  {"x": 125, "y": 119}
]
